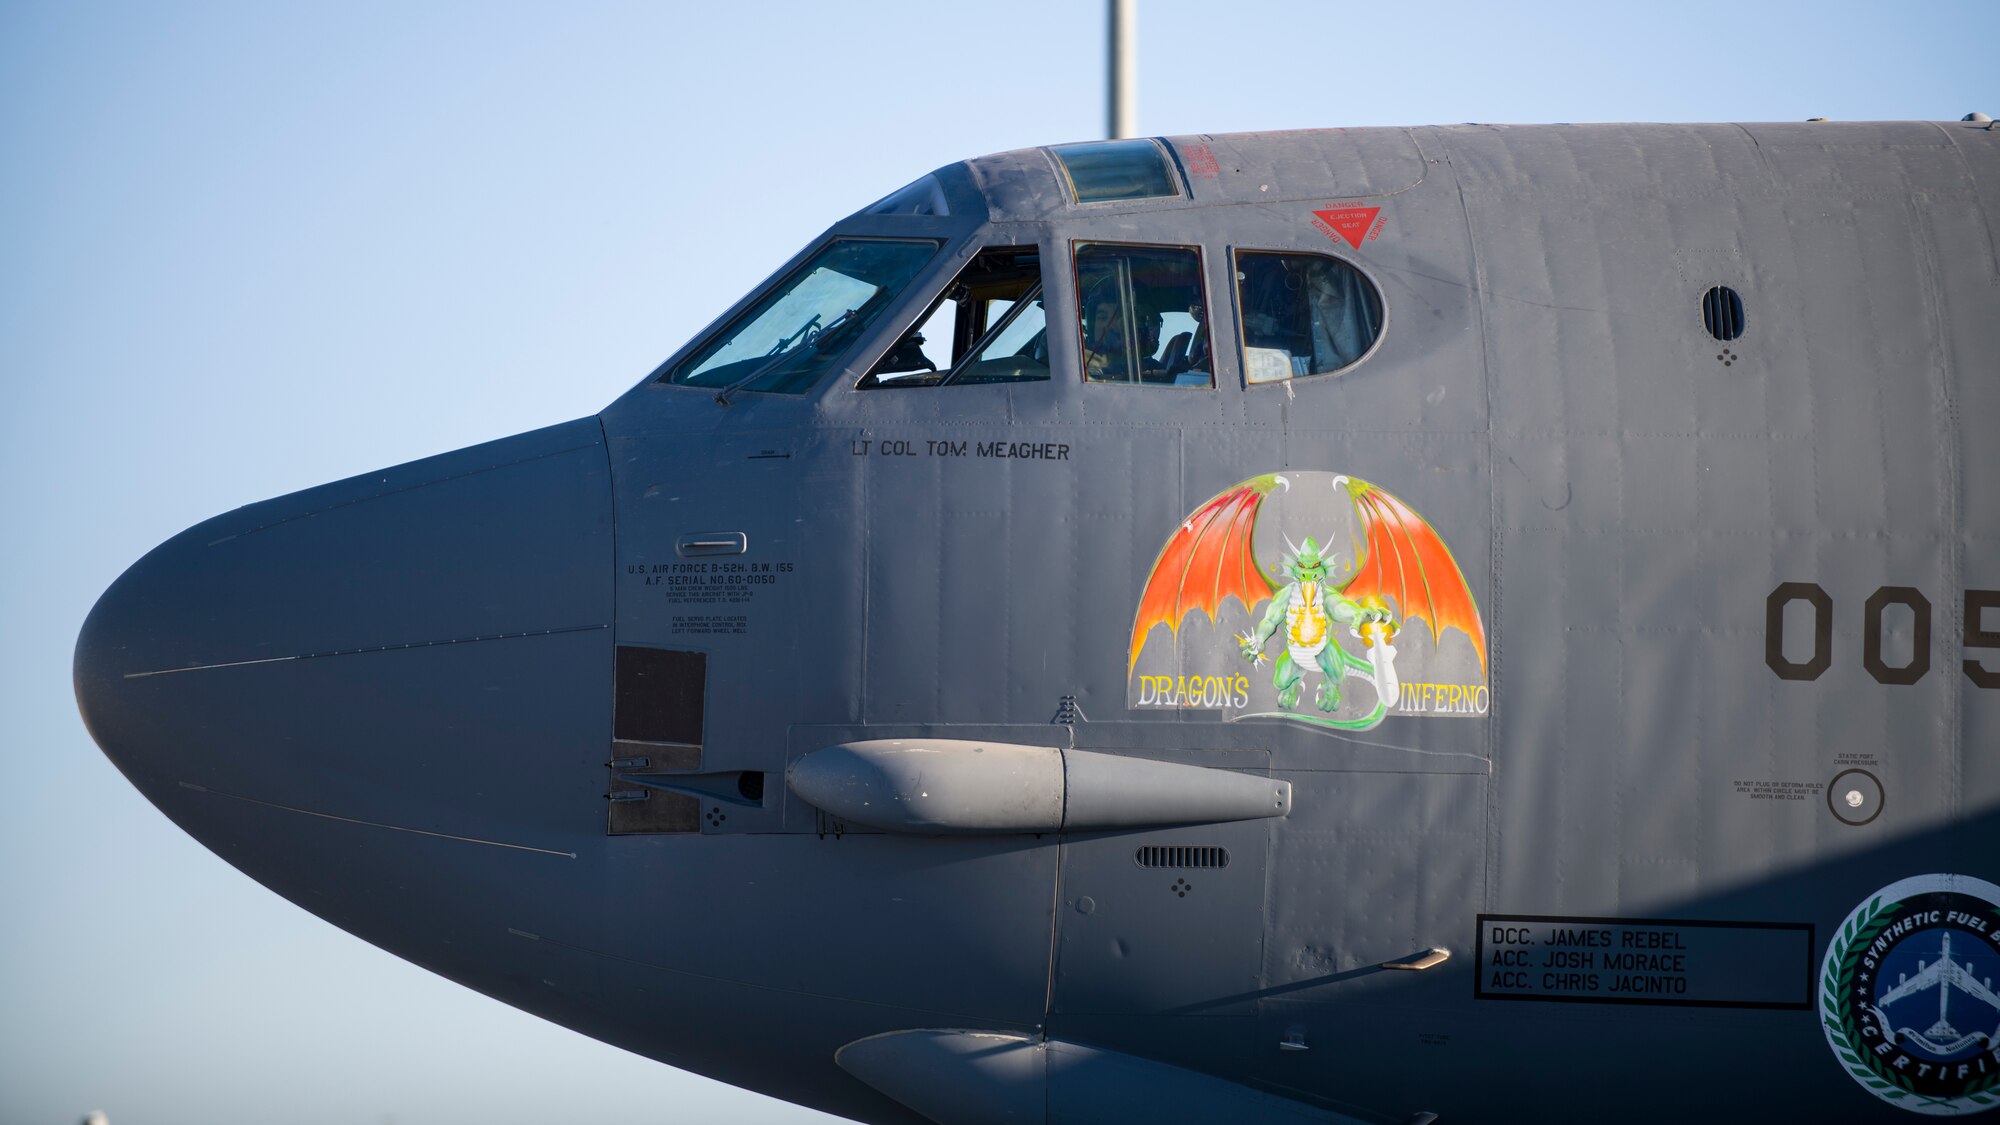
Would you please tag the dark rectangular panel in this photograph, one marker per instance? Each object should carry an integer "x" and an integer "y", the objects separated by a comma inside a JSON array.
[
  {"x": 1644, "y": 961},
  {"x": 639, "y": 811},
  {"x": 660, "y": 695}
]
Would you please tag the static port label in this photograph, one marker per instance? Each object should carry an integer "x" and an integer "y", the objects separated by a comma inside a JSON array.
[{"x": 1644, "y": 961}]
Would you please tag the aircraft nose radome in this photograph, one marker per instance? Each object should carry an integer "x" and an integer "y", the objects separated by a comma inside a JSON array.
[{"x": 375, "y": 649}]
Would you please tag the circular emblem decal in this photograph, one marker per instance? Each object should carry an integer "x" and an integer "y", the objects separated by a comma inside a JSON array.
[{"x": 1907, "y": 995}]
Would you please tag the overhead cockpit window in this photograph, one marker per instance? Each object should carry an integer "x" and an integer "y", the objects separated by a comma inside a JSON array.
[
  {"x": 797, "y": 330},
  {"x": 924, "y": 197},
  {"x": 988, "y": 326},
  {"x": 1102, "y": 171},
  {"x": 1142, "y": 315},
  {"x": 1303, "y": 314}
]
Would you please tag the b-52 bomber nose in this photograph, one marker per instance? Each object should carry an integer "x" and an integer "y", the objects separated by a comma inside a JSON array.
[{"x": 380, "y": 697}]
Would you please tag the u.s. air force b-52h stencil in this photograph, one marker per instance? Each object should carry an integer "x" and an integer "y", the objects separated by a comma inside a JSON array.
[
  {"x": 1477, "y": 624},
  {"x": 1395, "y": 569}
]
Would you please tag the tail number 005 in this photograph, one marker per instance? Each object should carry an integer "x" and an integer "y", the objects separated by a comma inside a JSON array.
[{"x": 1977, "y": 602}]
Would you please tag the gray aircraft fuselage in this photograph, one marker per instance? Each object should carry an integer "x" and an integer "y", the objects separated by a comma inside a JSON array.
[{"x": 826, "y": 738}]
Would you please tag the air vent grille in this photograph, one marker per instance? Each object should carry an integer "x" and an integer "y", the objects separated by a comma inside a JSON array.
[
  {"x": 1182, "y": 856},
  {"x": 1722, "y": 312}
]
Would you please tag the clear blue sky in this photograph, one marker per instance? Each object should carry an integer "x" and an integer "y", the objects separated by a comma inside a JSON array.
[{"x": 246, "y": 248}]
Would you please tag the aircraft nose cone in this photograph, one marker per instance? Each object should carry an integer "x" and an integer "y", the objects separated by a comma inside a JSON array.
[{"x": 373, "y": 651}]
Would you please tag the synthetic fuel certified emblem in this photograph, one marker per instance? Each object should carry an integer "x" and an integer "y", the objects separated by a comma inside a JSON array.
[{"x": 1907, "y": 998}]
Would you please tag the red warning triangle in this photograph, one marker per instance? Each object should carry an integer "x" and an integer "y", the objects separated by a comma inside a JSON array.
[{"x": 1350, "y": 223}]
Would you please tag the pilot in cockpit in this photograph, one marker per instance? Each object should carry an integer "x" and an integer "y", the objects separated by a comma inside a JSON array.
[{"x": 1107, "y": 343}]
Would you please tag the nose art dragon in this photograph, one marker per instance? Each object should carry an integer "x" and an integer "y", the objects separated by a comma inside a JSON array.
[{"x": 1405, "y": 573}]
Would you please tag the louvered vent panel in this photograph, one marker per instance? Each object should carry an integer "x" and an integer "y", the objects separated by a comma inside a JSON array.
[{"x": 1182, "y": 856}]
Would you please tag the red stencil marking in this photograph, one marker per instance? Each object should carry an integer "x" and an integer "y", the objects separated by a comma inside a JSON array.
[
  {"x": 1350, "y": 224},
  {"x": 1201, "y": 161}
]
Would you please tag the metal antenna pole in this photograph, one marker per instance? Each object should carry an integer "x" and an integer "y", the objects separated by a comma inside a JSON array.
[{"x": 1122, "y": 92}]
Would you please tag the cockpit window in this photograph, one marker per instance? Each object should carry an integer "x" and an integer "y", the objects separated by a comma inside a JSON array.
[
  {"x": 988, "y": 326},
  {"x": 800, "y": 328},
  {"x": 1018, "y": 349},
  {"x": 1142, "y": 315},
  {"x": 1101, "y": 171},
  {"x": 1303, "y": 314}
]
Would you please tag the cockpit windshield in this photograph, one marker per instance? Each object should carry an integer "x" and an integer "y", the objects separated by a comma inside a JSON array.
[{"x": 798, "y": 329}]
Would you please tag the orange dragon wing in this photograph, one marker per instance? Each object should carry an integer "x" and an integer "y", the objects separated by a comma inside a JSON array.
[
  {"x": 1208, "y": 558},
  {"x": 1409, "y": 565}
]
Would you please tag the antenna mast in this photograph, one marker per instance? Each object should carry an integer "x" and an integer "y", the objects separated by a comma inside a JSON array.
[{"x": 1122, "y": 91}]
